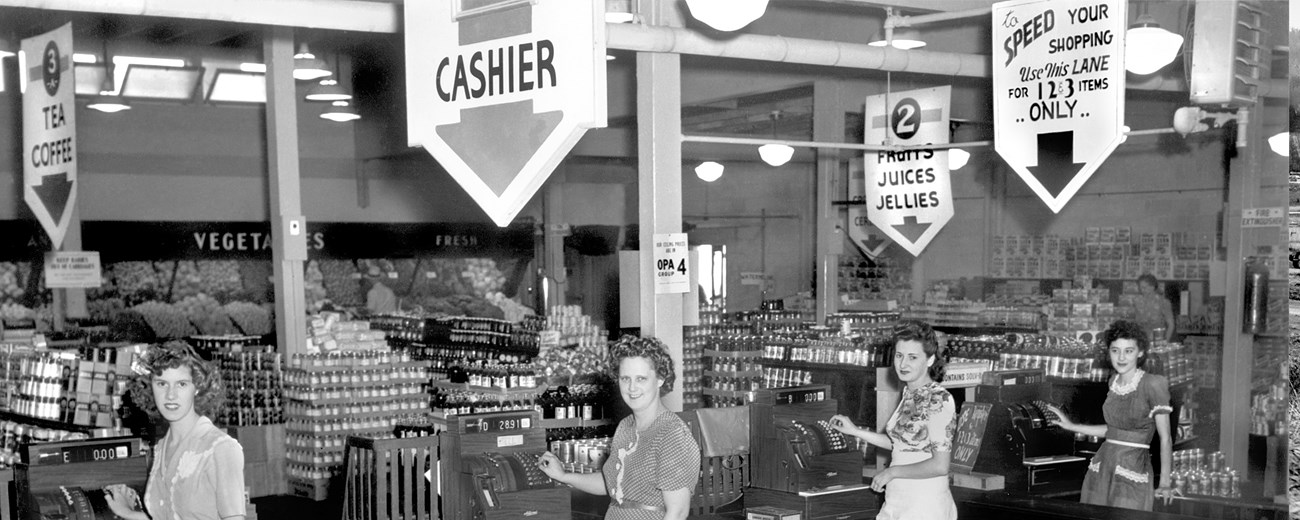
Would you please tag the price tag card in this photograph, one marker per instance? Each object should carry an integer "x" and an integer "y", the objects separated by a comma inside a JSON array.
[{"x": 672, "y": 276}]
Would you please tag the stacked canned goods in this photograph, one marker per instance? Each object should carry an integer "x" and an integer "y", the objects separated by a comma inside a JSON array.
[{"x": 1198, "y": 473}]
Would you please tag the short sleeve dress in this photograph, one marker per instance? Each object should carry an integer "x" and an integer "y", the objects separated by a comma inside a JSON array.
[
  {"x": 1120, "y": 474},
  {"x": 923, "y": 424},
  {"x": 203, "y": 480},
  {"x": 644, "y": 464}
]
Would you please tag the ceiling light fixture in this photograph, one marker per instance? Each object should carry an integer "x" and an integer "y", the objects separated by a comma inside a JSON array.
[
  {"x": 107, "y": 101},
  {"x": 775, "y": 154},
  {"x": 727, "y": 16},
  {"x": 307, "y": 66},
  {"x": 957, "y": 158},
  {"x": 340, "y": 112},
  {"x": 619, "y": 11},
  {"x": 1280, "y": 143},
  {"x": 709, "y": 171},
  {"x": 898, "y": 32},
  {"x": 327, "y": 90},
  {"x": 1149, "y": 47}
]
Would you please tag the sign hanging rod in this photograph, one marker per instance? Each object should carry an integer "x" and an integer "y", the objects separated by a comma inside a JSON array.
[{"x": 869, "y": 147}]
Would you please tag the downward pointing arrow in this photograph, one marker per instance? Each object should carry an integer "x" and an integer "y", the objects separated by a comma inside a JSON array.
[
  {"x": 515, "y": 130},
  {"x": 54, "y": 191},
  {"x": 1056, "y": 166},
  {"x": 911, "y": 229}
]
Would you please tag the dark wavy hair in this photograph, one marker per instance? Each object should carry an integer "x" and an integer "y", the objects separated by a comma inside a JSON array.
[
  {"x": 651, "y": 349},
  {"x": 1125, "y": 329},
  {"x": 209, "y": 393},
  {"x": 1149, "y": 278},
  {"x": 921, "y": 332}
]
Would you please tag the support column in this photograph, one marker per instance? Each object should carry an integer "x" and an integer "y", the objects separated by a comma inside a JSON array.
[
  {"x": 659, "y": 183},
  {"x": 828, "y": 127},
  {"x": 288, "y": 228},
  {"x": 1239, "y": 348},
  {"x": 555, "y": 231}
]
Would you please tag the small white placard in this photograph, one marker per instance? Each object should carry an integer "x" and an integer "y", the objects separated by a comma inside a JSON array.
[
  {"x": 72, "y": 269},
  {"x": 672, "y": 276},
  {"x": 506, "y": 441},
  {"x": 1263, "y": 217}
]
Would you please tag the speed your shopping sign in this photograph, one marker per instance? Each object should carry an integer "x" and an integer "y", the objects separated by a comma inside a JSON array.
[
  {"x": 1058, "y": 90},
  {"x": 50, "y": 132},
  {"x": 499, "y": 91},
  {"x": 908, "y": 191}
]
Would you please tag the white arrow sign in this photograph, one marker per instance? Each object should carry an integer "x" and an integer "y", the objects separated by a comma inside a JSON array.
[
  {"x": 865, "y": 235},
  {"x": 908, "y": 192},
  {"x": 50, "y": 132},
  {"x": 499, "y": 91},
  {"x": 1058, "y": 90}
]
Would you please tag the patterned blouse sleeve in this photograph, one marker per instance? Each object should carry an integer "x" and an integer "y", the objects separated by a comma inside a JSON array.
[
  {"x": 942, "y": 420},
  {"x": 679, "y": 459},
  {"x": 1157, "y": 391},
  {"x": 228, "y": 466}
]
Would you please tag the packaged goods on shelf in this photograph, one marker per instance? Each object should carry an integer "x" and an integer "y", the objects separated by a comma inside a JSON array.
[
  {"x": 1060, "y": 357},
  {"x": 694, "y": 341},
  {"x": 332, "y": 395},
  {"x": 582, "y": 454},
  {"x": 329, "y": 332},
  {"x": 254, "y": 383},
  {"x": 80, "y": 387},
  {"x": 1198, "y": 473},
  {"x": 17, "y": 434}
]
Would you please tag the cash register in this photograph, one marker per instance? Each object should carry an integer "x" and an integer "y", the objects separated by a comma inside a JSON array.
[
  {"x": 489, "y": 461},
  {"x": 800, "y": 462},
  {"x": 1007, "y": 430},
  {"x": 65, "y": 480}
]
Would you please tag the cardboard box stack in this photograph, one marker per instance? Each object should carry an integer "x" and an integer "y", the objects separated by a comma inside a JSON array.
[{"x": 1111, "y": 252}]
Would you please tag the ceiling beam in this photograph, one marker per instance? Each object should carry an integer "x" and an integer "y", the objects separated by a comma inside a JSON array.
[{"x": 340, "y": 15}]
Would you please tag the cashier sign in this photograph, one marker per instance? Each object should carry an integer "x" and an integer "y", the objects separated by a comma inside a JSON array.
[
  {"x": 499, "y": 91},
  {"x": 908, "y": 191},
  {"x": 1058, "y": 90}
]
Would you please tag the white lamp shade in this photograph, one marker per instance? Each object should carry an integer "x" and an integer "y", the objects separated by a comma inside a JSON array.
[
  {"x": 340, "y": 112},
  {"x": 775, "y": 154},
  {"x": 709, "y": 171},
  {"x": 727, "y": 15},
  {"x": 1148, "y": 48},
  {"x": 307, "y": 66},
  {"x": 1280, "y": 143},
  {"x": 327, "y": 90},
  {"x": 108, "y": 104},
  {"x": 905, "y": 39},
  {"x": 957, "y": 158},
  {"x": 618, "y": 11}
]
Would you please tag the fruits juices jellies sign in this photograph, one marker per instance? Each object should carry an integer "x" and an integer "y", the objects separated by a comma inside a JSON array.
[
  {"x": 1058, "y": 90},
  {"x": 908, "y": 191}
]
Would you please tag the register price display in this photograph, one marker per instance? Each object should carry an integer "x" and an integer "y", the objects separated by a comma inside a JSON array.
[{"x": 1058, "y": 90}]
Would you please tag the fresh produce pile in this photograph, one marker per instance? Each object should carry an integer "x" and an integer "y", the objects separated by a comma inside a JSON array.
[
  {"x": 105, "y": 309},
  {"x": 455, "y": 305},
  {"x": 206, "y": 313},
  {"x": 341, "y": 286},
  {"x": 252, "y": 319},
  {"x": 11, "y": 282},
  {"x": 483, "y": 275},
  {"x": 14, "y": 313},
  {"x": 166, "y": 321},
  {"x": 585, "y": 358},
  {"x": 219, "y": 278},
  {"x": 134, "y": 282}
]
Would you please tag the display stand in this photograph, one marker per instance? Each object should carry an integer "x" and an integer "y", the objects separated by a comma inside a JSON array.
[{"x": 391, "y": 479}]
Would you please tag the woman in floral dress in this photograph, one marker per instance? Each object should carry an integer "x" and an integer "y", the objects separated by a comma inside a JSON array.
[
  {"x": 919, "y": 434},
  {"x": 1137, "y": 406}
]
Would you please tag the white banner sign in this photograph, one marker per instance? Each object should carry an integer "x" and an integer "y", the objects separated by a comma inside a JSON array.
[
  {"x": 908, "y": 192},
  {"x": 73, "y": 269},
  {"x": 499, "y": 91},
  {"x": 1058, "y": 90},
  {"x": 755, "y": 278},
  {"x": 672, "y": 271},
  {"x": 50, "y": 131}
]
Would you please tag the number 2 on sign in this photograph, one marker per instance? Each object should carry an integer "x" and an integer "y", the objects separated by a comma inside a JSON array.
[{"x": 666, "y": 264}]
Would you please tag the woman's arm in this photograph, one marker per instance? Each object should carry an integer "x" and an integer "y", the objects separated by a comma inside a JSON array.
[
  {"x": 677, "y": 503},
  {"x": 122, "y": 501},
  {"x": 593, "y": 483},
  {"x": 845, "y": 425},
  {"x": 1163, "y": 488},
  {"x": 1097, "y": 430}
]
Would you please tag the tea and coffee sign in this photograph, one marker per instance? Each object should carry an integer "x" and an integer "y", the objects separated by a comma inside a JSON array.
[
  {"x": 908, "y": 191},
  {"x": 50, "y": 132},
  {"x": 1058, "y": 90}
]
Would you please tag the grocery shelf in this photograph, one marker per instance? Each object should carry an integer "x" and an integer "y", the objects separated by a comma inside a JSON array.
[
  {"x": 737, "y": 373},
  {"x": 733, "y": 353},
  {"x": 448, "y": 385},
  {"x": 573, "y": 423}
]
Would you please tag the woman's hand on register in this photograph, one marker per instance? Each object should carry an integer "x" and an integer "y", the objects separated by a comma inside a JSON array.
[
  {"x": 551, "y": 466},
  {"x": 844, "y": 425},
  {"x": 123, "y": 501},
  {"x": 1061, "y": 419}
]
